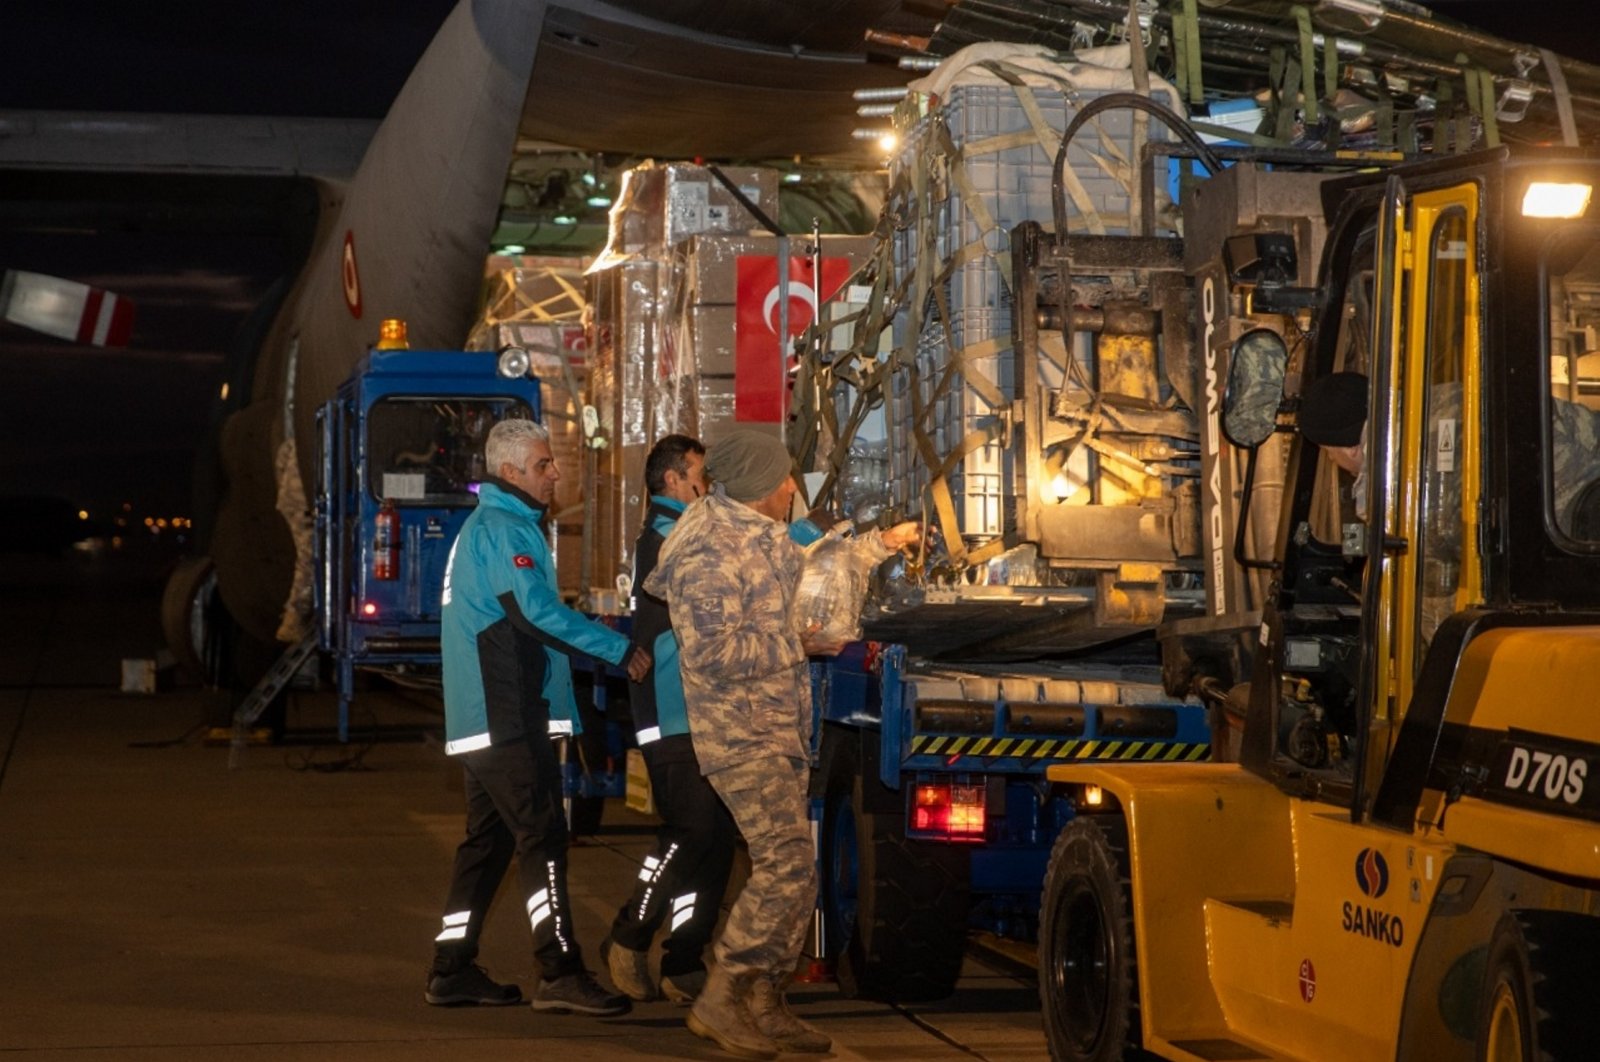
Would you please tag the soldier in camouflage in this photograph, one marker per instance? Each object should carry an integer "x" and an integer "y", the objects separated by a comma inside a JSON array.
[{"x": 729, "y": 573}]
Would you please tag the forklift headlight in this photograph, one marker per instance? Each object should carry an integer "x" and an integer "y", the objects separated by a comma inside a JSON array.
[
  {"x": 1548, "y": 199},
  {"x": 514, "y": 362}
]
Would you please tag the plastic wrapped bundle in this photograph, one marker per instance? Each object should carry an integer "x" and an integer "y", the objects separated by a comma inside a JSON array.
[{"x": 832, "y": 591}]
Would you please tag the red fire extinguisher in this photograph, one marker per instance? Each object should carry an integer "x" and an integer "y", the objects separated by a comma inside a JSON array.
[{"x": 386, "y": 542}]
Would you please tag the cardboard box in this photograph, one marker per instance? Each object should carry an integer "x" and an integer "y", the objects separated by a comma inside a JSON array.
[
  {"x": 662, "y": 204},
  {"x": 709, "y": 270}
]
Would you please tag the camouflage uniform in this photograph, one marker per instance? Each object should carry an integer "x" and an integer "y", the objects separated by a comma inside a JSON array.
[{"x": 729, "y": 575}]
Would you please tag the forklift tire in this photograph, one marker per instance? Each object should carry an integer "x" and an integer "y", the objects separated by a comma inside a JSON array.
[
  {"x": 1538, "y": 1002},
  {"x": 1088, "y": 976},
  {"x": 895, "y": 909}
]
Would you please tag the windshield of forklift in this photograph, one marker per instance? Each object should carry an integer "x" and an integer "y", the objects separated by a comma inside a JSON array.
[
  {"x": 1572, "y": 269},
  {"x": 428, "y": 450}
]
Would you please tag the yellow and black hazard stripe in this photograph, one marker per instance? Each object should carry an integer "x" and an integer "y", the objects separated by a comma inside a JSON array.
[{"x": 1036, "y": 749}]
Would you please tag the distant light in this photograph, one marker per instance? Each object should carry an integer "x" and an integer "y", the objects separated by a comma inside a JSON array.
[
  {"x": 1549, "y": 199},
  {"x": 564, "y": 219},
  {"x": 599, "y": 200},
  {"x": 149, "y": 521},
  {"x": 369, "y": 609},
  {"x": 886, "y": 139},
  {"x": 588, "y": 179},
  {"x": 472, "y": 488},
  {"x": 224, "y": 395},
  {"x": 512, "y": 248},
  {"x": 83, "y": 514},
  {"x": 791, "y": 178}
]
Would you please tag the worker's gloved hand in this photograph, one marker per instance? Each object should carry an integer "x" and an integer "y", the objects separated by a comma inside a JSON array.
[
  {"x": 901, "y": 535},
  {"x": 637, "y": 663}
]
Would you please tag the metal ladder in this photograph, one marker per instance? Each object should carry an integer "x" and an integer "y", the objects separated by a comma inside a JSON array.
[{"x": 276, "y": 678}]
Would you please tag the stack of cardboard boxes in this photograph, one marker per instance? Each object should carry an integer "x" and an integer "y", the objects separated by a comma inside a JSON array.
[{"x": 687, "y": 309}]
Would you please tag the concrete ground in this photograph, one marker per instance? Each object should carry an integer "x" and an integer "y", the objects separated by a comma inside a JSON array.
[{"x": 155, "y": 904}]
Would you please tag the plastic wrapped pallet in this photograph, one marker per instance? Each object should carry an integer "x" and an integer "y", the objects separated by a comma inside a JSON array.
[
  {"x": 975, "y": 165},
  {"x": 623, "y": 347},
  {"x": 661, "y": 204}
]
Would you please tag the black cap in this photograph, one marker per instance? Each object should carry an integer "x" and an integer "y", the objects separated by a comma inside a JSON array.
[{"x": 1333, "y": 409}]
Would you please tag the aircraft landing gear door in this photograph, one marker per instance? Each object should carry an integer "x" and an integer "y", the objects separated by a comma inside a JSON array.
[{"x": 1430, "y": 454}]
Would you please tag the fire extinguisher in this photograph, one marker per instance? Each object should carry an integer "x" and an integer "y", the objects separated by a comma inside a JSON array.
[{"x": 386, "y": 542}]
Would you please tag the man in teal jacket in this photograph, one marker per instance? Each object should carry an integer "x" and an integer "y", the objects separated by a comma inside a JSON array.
[
  {"x": 686, "y": 874},
  {"x": 506, "y": 638}
]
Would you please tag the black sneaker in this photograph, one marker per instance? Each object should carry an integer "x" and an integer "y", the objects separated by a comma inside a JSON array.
[
  {"x": 578, "y": 994},
  {"x": 469, "y": 987}
]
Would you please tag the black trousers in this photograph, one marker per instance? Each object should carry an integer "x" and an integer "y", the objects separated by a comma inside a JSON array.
[
  {"x": 513, "y": 808},
  {"x": 685, "y": 876}
]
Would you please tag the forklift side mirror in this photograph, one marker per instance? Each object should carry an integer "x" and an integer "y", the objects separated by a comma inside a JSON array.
[{"x": 1255, "y": 387}]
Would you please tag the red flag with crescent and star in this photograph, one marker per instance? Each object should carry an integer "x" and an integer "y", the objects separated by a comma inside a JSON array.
[{"x": 761, "y": 369}]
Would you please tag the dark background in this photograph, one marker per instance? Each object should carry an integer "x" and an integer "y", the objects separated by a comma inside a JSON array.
[
  {"x": 112, "y": 428},
  {"x": 109, "y": 429}
]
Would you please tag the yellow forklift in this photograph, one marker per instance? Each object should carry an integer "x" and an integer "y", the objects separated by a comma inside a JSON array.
[{"x": 1404, "y": 863}]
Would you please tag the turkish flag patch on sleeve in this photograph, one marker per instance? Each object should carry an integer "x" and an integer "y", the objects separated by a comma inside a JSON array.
[{"x": 522, "y": 560}]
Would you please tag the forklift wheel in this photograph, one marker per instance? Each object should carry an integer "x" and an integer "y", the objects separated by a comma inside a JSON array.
[
  {"x": 1088, "y": 981},
  {"x": 1537, "y": 1003}
]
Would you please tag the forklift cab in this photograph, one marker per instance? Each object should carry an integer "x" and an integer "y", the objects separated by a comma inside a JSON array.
[
  {"x": 1470, "y": 304},
  {"x": 1411, "y": 836}
]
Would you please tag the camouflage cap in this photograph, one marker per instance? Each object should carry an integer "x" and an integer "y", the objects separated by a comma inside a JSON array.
[
  {"x": 749, "y": 464},
  {"x": 1333, "y": 409}
]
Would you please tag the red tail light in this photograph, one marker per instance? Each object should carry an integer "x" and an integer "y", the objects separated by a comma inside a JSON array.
[{"x": 955, "y": 812}]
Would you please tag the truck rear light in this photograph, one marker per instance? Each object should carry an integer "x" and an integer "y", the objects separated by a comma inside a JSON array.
[{"x": 954, "y": 812}]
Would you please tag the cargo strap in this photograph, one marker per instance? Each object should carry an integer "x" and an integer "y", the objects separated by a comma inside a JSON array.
[
  {"x": 1558, "y": 89},
  {"x": 1481, "y": 99}
]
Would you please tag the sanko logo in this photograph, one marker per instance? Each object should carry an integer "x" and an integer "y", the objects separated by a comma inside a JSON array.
[{"x": 1372, "y": 872}]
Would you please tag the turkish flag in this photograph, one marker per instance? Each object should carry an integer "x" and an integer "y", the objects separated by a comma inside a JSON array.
[{"x": 761, "y": 370}]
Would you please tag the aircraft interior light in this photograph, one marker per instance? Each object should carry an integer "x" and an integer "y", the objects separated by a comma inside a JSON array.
[{"x": 1553, "y": 199}]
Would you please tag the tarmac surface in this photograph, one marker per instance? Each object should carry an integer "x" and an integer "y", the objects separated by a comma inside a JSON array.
[{"x": 155, "y": 904}]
